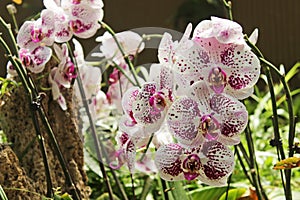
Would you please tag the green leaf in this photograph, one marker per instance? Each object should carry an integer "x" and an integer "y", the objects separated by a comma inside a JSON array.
[
  {"x": 233, "y": 194},
  {"x": 178, "y": 192},
  {"x": 211, "y": 193},
  {"x": 293, "y": 71},
  {"x": 105, "y": 196},
  {"x": 2, "y": 194}
]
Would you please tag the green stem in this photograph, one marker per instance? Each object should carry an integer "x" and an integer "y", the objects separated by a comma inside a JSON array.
[
  {"x": 132, "y": 186},
  {"x": 275, "y": 115},
  {"x": 29, "y": 93},
  {"x": 92, "y": 126},
  {"x": 147, "y": 147},
  {"x": 253, "y": 170},
  {"x": 44, "y": 153},
  {"x": 243, "y": 166},
  {"x": 146, "y": 188},
  {"x": 126, "y": 58},
  {"x": 243, "y": 150},
  {"x": 164, "y": 189},
  {"x": 289, "y": 103},
  {"x": 11, "y": 35},
  {"x": 123, "y": 72},
  {"x": 32, "y": 93},
  {"x": 228, "y": 5},
  {"x": 58, "y": 152},
  {"x": 288, "y": 190}
]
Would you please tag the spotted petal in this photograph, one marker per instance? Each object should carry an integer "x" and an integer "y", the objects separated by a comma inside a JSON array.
[
  {"x": 218, "y": 163},
  {"x": 224, "y": 30},
  {"x": 169, "y": 163},
  {"x": 84, "y": 20},
  {"x": 183, "y": 120},
  {"x": 234, "y": 118},
  {"x": 40, "y": 56},
  {"x": 163, "y": 76},
  {"x": 237, "y": 62}
]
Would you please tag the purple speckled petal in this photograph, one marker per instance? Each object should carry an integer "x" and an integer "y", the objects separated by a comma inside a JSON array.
[
  {"x": 183, "y": 121},
  {"x": 126, "y": 153},
  {"x": 24, "y": 36},
  {"x": 234, "y": 117},
  {"x": 40, "y": 56},
  {"x": 200, "y": 92},
  {"x": 190, "y": 62},
  {"x": 241, "y": 66},
  {"x": 163, "y": 75},
  {"x": 245, "y": 71},
  {"x": 48, "y": 26},
  {"x": 129, "y": 96},
  {"x": 84, "y": 20},
  {"x": 218, "y": 163},
  {"x": 168, "y": 162},
  {"x": 165, "y": 49}
]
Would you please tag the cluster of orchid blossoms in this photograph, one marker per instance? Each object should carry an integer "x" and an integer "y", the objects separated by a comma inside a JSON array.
[
  {"x": 187, "y": 108},
  {"x": 189, "y": 105},
  {"x": 58, "y": 23}
]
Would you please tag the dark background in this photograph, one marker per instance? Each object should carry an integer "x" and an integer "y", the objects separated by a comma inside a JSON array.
[{"x": 277, "y": 20}]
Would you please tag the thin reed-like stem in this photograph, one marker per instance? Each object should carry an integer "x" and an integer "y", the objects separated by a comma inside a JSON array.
[
  {"x": 98, "y": 146},
  {"x": 268, "y": 65},
  {"x": 32, "y": 94}
]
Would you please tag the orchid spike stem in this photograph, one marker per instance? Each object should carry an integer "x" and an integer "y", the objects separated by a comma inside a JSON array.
[
  {"x": 268, "y": 65},
  {"x": 98, "y": 146},
  {"x": 228, "y": 5},
  {"x": 32, "y": 94},
  {"x": 147, "y": 147}
]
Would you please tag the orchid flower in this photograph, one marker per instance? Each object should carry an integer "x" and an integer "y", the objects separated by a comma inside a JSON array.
[
  {"x": 66, "y": 70},
  {"x": 33, "y": 34},
  {"x": 148, "y": 105},
  {"x": 11, "y": 71},
  {"x": 211, "y": 163},
  {"x": 128, "y": 143},
  {"x": 205, "y": 116},
  {"x": 79, "y": 18},
  {"x": 61, "y": 76},
  {"x": 55, "y": 88},
  {"x": 90, "y": 76},
  {"x": 169, "y": 52},
  {"x": 224, "y": 30},
  {"x": 131, "y": 43},
  {"x": 222, "y": 58},
  {"x": 36, "y": 59}
]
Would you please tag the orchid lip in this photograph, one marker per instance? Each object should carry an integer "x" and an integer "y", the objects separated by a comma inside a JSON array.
[
  {"x": 191, "y": 167},
  {"x": 208, "y": 126},
  {"x": 217, "y": 79}
]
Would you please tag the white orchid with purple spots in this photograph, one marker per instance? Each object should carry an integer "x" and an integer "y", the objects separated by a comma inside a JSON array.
[
  {"x": 212, "y": 163},
  {"x": 205, "y": 116},
  {"x": 147, "y": 106},
  {"x": 131, "y": 42},
  {"x": 33, "y": 34},
  {"x": 36, "y": 59},
  {"x": 79, "y": 18}
]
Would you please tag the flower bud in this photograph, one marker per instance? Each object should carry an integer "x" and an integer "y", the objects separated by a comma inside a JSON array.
[{"x": 11, "y": 8}]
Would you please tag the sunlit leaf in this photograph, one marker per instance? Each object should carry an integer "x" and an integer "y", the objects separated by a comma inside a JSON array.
[
  {"x": 287, "y": 163},
  {"x": 212, "y": 193},
  {"x": 233, "y": 194},
  {"x": 2, "y": 194}
]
